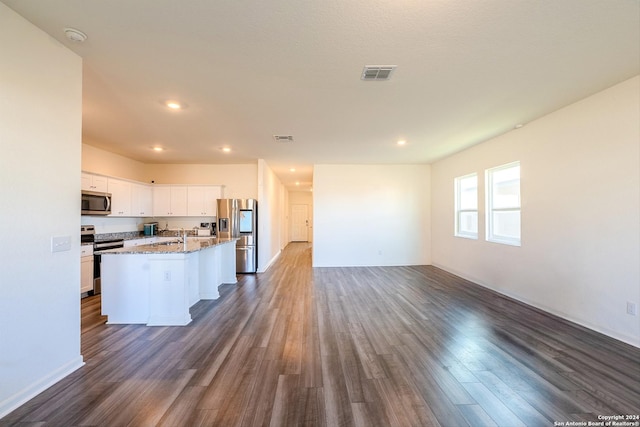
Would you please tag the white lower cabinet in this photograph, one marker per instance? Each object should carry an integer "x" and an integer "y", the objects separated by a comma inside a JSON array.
[{"x": 86, "y": 268}]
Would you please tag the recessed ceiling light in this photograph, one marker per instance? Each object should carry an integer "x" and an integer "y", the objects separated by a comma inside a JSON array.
[
  {"x": 75, "y": 35},
  {"x": 158, "y": 149},
  {"x": 226, "y": 149},
  {"x": 297, "y": 183},
  {"x": 401, "y": 142},
  {"x": 174, "y": 105},
  {"x": 292, "y": 170}
]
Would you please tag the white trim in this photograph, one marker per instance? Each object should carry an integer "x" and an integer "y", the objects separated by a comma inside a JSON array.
[
  {"x": 457, "y": 211},
  {"x": 489, "y": 210},
  {"x": 26, "y": 394},
  {"x": 625, "y": 338},
  {"x": 271, "y": 261}
]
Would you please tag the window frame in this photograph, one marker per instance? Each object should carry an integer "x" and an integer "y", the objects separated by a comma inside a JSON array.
[
  {"x": 458, "y": 211},
  {"x": 489, "y": 209}
]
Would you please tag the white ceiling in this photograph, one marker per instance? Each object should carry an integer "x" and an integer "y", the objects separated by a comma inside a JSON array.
[{"x": 467, "y": 70}]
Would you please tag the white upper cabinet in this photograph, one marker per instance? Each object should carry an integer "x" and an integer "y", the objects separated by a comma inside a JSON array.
[
  {"x": 92, "y": 182},
  {"x": 120, "y": 197},
  {"x": 141, "y": 200},
  {"x": 137, "y": 199},
  {"x": 170, "y": 200},
  {"x": 202, "y": 200}
]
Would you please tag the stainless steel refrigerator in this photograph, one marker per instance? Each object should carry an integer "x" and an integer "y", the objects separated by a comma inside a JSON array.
[{"x": 239, "y": 218}]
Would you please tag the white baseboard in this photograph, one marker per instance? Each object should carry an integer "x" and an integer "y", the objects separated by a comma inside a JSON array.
[
  {"x": 271, "y": 261},
  {"x": 26, "y": 394},
  {"x": 627, "y": 339}
]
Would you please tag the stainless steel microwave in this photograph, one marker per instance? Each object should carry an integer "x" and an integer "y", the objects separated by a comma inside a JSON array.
[{"x": 95, "y": 203}]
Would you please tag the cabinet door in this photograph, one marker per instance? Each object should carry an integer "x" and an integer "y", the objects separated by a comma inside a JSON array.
[
  {"x": 120, "y": 197},
  {"x": 162, "y": 201},
  {"x": 202, "y": 200},
  {"x": 170, "y": 200},
  {"x": 178, "y": 200},
  {"x": 211, "y": 194},
  {"x": 92, "y": 182},
  {"x": 141, "y": 200},
  {"x": 86, "y": 274},
  {"x": 195, "y": 198},
  {"x": 87, "y": 182},
  {"x": 100, "y": 183}
]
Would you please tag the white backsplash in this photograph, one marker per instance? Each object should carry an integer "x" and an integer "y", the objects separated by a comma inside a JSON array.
[
  {"x": 176, "y": 223},
  {"x": 107, "y": 224}
]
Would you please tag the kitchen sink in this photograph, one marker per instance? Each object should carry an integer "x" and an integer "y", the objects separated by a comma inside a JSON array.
[{"x": 173, "y": 242}]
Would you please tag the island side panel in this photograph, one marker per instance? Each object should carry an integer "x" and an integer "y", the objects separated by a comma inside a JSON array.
[
  {"x": 209, "y": 273},
  {"x": 228, "y": 263},
  {"x": 193, "y": 275},
  {"x": 169, "y": 290},
  {"x": 125, "y": 288}
]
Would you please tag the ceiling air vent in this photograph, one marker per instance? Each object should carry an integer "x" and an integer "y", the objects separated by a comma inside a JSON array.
[
  {"x": 283, "y": 138},
  {"x": 377, "y": 72}
]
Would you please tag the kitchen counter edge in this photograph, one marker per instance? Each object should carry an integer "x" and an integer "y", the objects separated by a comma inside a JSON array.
[{"x": 194, "y": 244}]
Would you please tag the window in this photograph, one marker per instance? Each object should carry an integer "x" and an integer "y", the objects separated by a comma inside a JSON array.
[
  {"x": 466, "y": 190},
  {"x": 503, "y": 204}
]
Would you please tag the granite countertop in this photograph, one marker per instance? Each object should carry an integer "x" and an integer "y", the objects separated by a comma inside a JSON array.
[
  {"x": 194, "y": 244},
  {"x": 132, "y": 235}
]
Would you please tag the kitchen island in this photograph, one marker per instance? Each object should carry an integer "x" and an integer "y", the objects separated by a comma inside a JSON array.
[{"x": 156, "y": 284}]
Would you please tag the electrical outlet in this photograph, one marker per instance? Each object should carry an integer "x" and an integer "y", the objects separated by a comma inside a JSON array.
[
  {"x": 632, "y": 308},
  {"x": 167, "y": 276}
]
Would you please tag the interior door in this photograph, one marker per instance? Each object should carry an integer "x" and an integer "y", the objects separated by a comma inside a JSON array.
[{"x": 299, "y": 223}]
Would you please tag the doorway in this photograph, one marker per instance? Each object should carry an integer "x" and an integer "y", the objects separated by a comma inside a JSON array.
[{"x": 299, "y": 223}]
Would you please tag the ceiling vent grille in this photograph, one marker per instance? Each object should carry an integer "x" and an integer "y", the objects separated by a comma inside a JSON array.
[
  {"x": 377, "y": 72},
  {"x": 283, "y": 138}
]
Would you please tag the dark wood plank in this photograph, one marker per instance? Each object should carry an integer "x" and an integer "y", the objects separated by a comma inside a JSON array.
[{"x": 365, "y": 346}]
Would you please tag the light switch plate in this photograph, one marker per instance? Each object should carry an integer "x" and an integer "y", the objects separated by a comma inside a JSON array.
[{"x": 60, "y": 243}]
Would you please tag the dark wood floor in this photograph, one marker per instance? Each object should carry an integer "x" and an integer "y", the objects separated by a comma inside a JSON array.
[{"x": 379, "y": 346}]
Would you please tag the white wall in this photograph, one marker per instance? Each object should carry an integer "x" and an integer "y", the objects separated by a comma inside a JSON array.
[
  {"x": 40, "y": 138},
  {"x": 240, "y": 180},
  {"x": 96, "y": 160},
  {"x": 580, "y": 172},
  {"x": 272, "y": 202},
  {"x": 371, "y": 215},
  {"x": 104, "y": 224}
]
